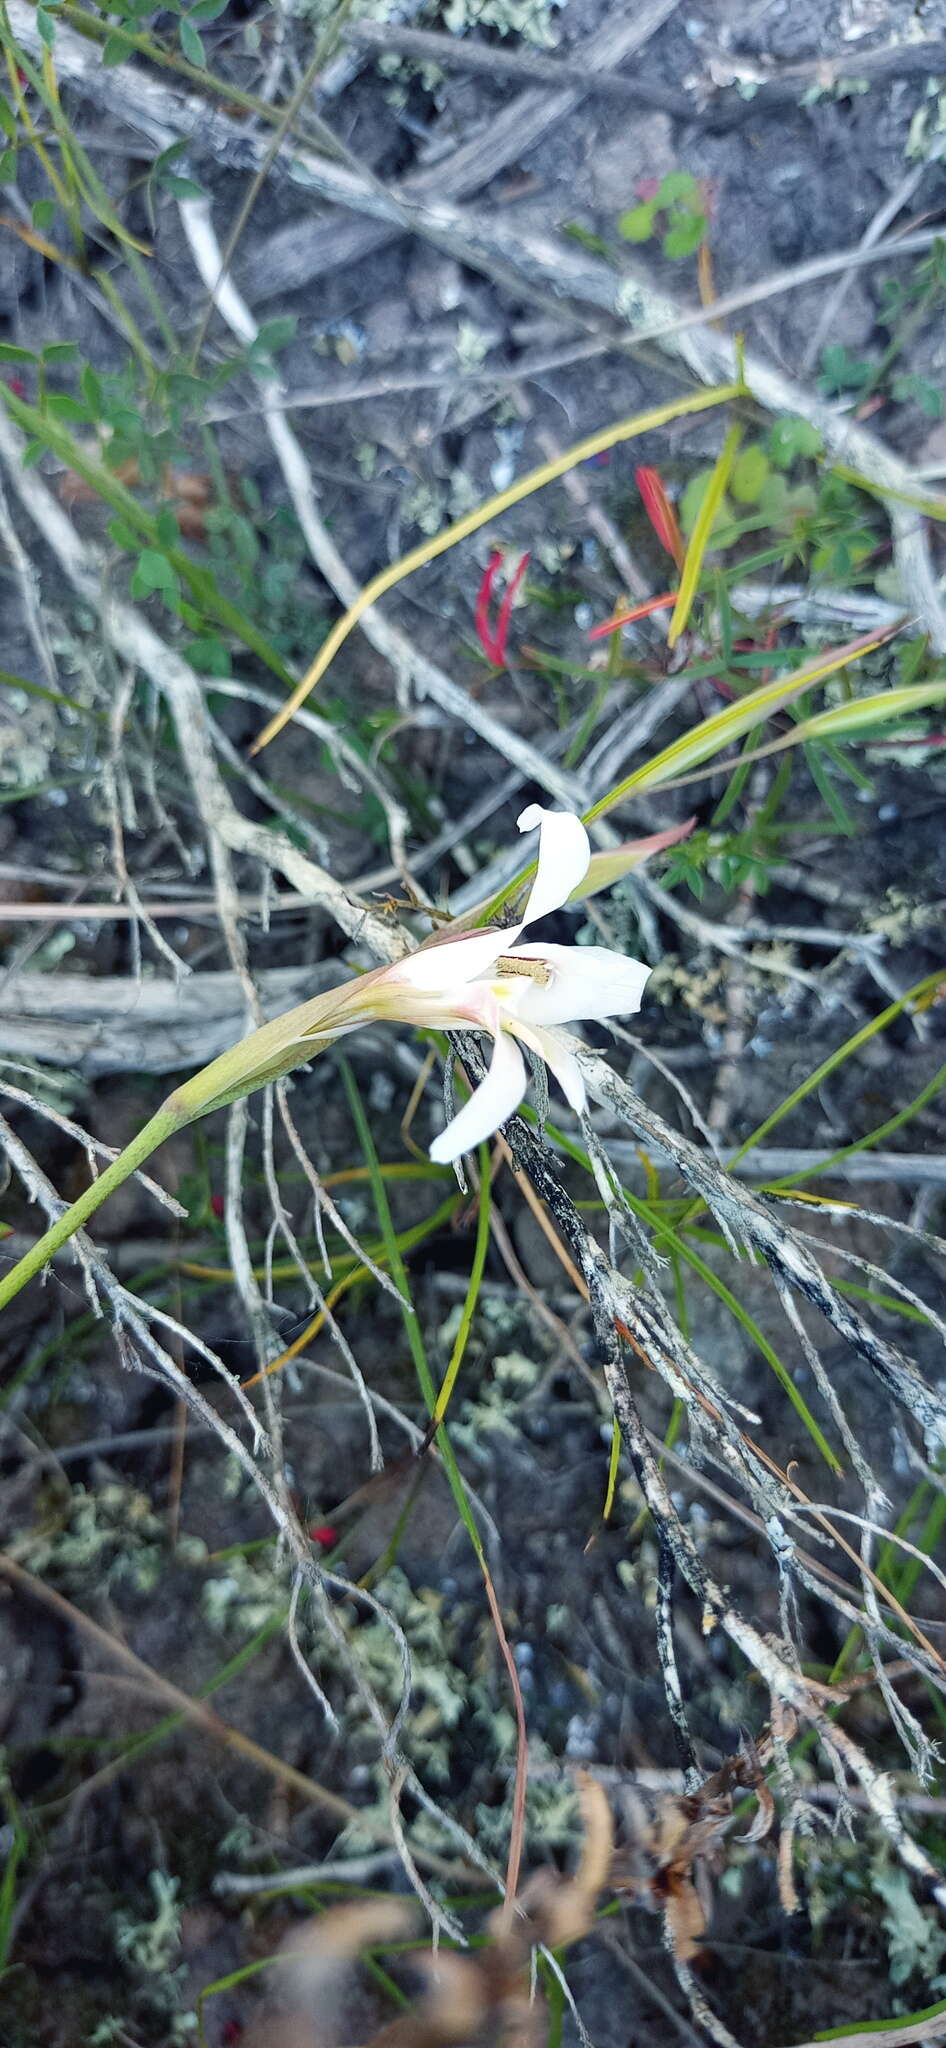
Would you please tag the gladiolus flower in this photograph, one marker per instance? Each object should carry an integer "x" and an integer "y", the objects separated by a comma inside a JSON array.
[
  {"x": 481, "y": 980},
  {"x": 661, "y": 514},
  {"x": 494, "y": 643}
]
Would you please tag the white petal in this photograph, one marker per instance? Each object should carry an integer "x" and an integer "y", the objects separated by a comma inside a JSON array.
[
  {"x": 586, "y": 981},
  {"x": 453, "y": 962},
  {"x": 564, "y": 854},
  {"x": 559, "y": 1061},
  {"x": 489, "y": 1105}
]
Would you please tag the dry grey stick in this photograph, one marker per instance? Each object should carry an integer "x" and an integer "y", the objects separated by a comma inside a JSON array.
[
  {"x": 135, "y": 640},
  {"x": 112, "y": 1025},
  {"x": 92, "y": 1147},
  {"x": 407, "y": 660},
  {"x": 28, "y": 581},
  {"x": 543, "y": 266},
  {"x": 745, "y": 1218},
  {"x": 517, "y": 128},
  {"x": 884, "y": 218},
  {"x": 113, "y": 773},
  {"x": 608, "y": 1297},
  {"x": 131, "y": 1320},
  {"x": 465, "y": 53}
]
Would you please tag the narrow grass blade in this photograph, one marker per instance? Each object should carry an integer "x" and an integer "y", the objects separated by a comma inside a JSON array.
[
  {"x": 699, "y": 539},
  {"x": 492, "y": 508}
]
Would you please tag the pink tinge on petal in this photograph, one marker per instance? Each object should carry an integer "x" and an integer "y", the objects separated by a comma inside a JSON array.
[
  {"x": 564, "y": 854},
  {"x": 585, "y": 981},
  {"x": 490, "y": 1104}
]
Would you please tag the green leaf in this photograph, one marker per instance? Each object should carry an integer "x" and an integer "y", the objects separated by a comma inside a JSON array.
[
  {"x": 842, "y": 371},
  {"x": 911, "y": 656},
  {"x": 685, "y": 235},
  {"x": 208, "y": 10},
  {"x": 861, "y": 715},
  {"x": 750, "y": 473},
  {"x": 713, "y": 734},
  {"x": 9, "y": 353},
  {"x": 637, "y": 225},
  {"x": 123, "y": 536},
  {"x": 153, "y": 572},
  {"x": 701, "y": 537},
  {"x": 927, "y": 396},
  {"x": 8, "y": 160},
  {"x": 92, "y": 390},
  {"x": 209, "y": 656},
  {"x": 191, "y": 44},
  {"x": 167, "y": 528},
  {"x": 7, "y": 119},
  {"x": 42, "y": 214},
  {"x": 60, "y": 351},
  {"x": 691, "y": 503},
  {"x": 679, "y": 186},
  {"x": 46, "y": 27},
  {"x": 114, "y": 49},
  {"x": 274, "y": 335},
  {"x": 32, "y": 453},
  {"x": 63, "y": 406},
  {"x": 180, "y": 187}
]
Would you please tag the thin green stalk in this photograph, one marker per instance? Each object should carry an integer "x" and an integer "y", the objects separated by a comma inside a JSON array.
[
  {"x": 676, "y": 1245},
  {"x": 203, "y": 586},
  {"x": 874, "y": 1137},
  {"x": 700, "y": 537},
  {"x": 162, "y": 1125},
  {"x": 411, "y": 1322},
  {"x": 867, "y": 1031},
  {"x": 98, "y": 31},
  {"x": 473, "y": 1291}
]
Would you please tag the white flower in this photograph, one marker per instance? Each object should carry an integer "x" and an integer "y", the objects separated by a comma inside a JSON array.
[
  {"x": 482, "y": 979},
  {"x": 518, "y": 994}
]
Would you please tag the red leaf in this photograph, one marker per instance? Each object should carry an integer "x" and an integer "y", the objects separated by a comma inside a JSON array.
[
  {"x": 661, "y": 514},
  {"x": 639, "y": 611},
  {"x": 494, "y": 643},
  {"x": 483, "y": 600}
]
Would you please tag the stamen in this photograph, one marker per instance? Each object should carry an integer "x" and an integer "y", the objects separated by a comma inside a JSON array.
[{"x": 515, "y": 963}]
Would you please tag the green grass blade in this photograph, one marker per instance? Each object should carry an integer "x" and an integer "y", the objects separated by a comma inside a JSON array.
[
  {"x": 411, "y": 1321},
  {"x": 699, "y": 539}
]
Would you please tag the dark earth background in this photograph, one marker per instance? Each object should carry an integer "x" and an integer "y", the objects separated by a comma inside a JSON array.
[{"x": 788, "y": 181}]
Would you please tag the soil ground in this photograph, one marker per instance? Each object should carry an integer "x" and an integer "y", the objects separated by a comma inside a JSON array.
[{"x": 130, "y": 1836}]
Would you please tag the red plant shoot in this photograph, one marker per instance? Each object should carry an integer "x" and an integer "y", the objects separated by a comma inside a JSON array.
[
  {"x": 494, "y": 643},
  {"x": 661, "y": 514},
  {"x": 639, "y": 611}
]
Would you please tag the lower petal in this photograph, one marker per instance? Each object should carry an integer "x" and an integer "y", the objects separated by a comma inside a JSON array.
[
  {"x": 560, "y": 1062},
  {"x": 490, "y": 1104}
]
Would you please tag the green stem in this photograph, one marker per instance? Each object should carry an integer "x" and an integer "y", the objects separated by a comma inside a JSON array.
[{"x": 164, "y": 1122}]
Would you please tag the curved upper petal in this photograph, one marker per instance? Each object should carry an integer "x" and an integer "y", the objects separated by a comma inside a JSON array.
[
  {"x": 489, "y": 1105},
  {"x": 585, "y": 981},
  {"x": 564, "y": 854}
]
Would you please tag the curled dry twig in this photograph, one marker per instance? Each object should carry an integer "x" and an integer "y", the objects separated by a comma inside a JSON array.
[{"x": 464, "y": 1993}]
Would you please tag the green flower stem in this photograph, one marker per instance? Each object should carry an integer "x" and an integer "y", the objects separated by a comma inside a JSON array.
[
  {"x": 165, "y": 1121},
  {"x": 291, "y": 1040}
]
